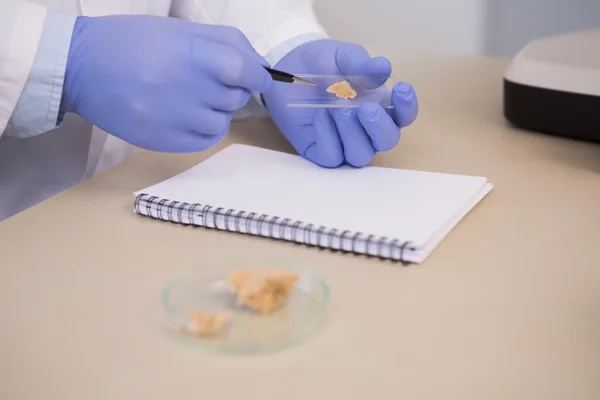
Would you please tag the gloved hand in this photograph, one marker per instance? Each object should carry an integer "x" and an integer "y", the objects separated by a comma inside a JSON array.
[
  {"x": 162, "y": 84},
  {"x": 331, "y": 137}
]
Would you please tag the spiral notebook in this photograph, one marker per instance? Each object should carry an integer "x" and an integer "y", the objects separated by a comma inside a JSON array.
[{"x": 395, "y": 214}]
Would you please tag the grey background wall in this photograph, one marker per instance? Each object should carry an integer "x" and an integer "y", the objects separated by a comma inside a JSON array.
[
  {"x": 489, "y": 27},
  {"x": 508, "y": 25}
]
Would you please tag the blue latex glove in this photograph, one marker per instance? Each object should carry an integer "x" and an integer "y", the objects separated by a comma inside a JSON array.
[
  {"x": 162, "y": 84},
  {"x": 331, "y": 137}
]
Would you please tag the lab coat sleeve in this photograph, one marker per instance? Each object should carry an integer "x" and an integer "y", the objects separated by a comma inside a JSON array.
[
  {"x": 21, "y": 25},
  {"x": 273, "y": 27},
  {"x": 38, "y": 108}
]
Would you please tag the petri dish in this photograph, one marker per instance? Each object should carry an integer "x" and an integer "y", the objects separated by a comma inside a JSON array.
[
  {"x": 330, "y": 91},
  {"x": 207, "y": 290}
]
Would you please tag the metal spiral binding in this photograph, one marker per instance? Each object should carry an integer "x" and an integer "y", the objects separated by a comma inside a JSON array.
[{"x": 187, "y": 214}]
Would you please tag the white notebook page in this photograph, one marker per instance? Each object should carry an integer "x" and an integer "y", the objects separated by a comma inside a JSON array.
[{"x": 399, "y": 204}]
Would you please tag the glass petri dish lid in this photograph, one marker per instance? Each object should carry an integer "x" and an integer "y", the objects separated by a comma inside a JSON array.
[{"x": 205, "y": 298}]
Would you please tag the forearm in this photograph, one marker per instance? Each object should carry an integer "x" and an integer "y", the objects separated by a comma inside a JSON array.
[
  {"x": 21, "y": 25},
  {"x": 38, "y": 107},
  {"x": 274, "y": 27}
]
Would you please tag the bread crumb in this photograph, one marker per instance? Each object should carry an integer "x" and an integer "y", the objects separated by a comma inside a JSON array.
[
  {"x": 264, "y": 292},
  {"x": 342, "y": 90},
  {"x": 207, "y": 325}
]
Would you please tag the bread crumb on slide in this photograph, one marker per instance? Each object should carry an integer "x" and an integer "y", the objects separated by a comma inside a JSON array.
[{"x": 342, "y": 90}]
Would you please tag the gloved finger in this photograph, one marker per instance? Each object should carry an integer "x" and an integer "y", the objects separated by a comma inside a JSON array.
[
  {"x": 207, "y": 122},
  {"x": 198, "y": 130},
  {"x": 363, "y": 71},
  {"x": 225, "y": 98},
  {"x": 186, "y": 142},
  {"x": 231, "y": 36},
  {"x": 358, "y": 149},
  {"x": 233, "y": 68},
  {"x": 406, "y": 104},
  {"x": 379, "y": 125},
  {"x": 326, "y": 150}
]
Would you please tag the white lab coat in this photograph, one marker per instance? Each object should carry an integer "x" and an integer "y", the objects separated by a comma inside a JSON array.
[{"x": 34, "y": 169}]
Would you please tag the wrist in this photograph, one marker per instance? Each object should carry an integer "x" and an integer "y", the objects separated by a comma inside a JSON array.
[
  {"x": 69, "y": 97},
  {"x": 279, "y": 52}
]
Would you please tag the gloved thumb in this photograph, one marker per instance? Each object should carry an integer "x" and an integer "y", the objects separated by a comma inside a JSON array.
[
  {"x": 406, "y": 105},
  {"x": 362, "y": 70}
]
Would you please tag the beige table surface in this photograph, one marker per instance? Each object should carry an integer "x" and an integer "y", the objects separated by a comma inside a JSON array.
[{"x": 508, "y": 306}]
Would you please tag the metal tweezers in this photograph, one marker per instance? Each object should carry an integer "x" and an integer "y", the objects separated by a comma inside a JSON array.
[{"x": 281, "y": 76}]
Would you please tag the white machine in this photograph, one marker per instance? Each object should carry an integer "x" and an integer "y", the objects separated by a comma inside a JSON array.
[{"x": 553, "y": 86}]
